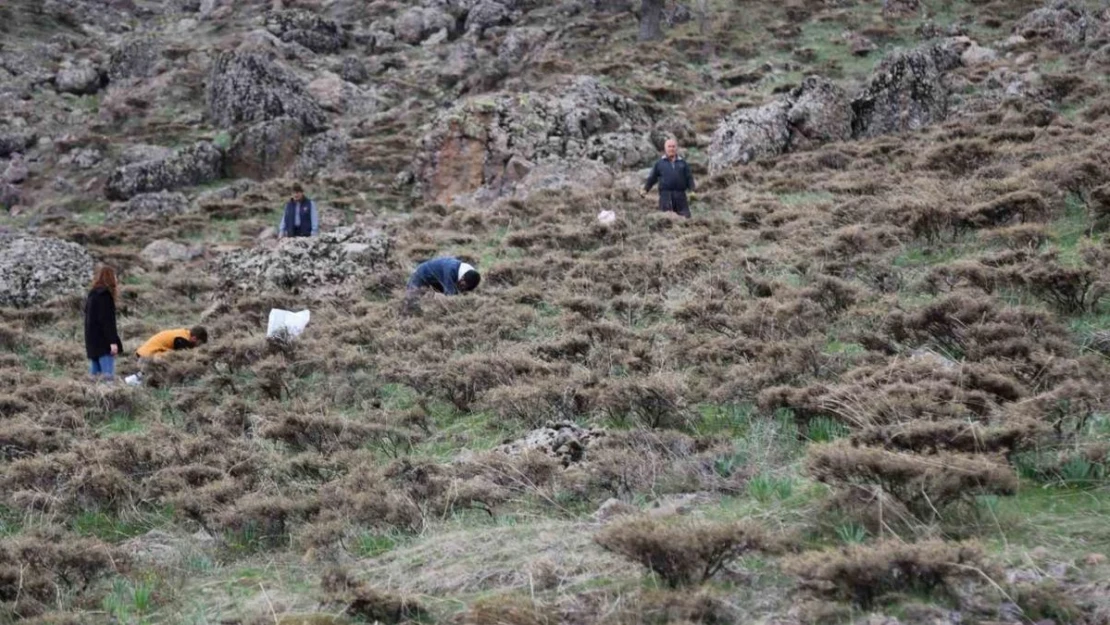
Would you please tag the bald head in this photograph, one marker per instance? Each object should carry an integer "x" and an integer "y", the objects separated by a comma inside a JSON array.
[{"x": 670, "y": 148}]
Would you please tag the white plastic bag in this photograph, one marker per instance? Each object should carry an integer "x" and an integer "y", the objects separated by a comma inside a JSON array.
[
  {"x": 285, "y": 322},
  {"x": 606, "y": 217}
]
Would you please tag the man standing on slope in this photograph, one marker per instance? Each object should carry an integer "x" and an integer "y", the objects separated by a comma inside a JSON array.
[
  {"x": 674, "y": 178},
  {"x": 300, "y": 218}
]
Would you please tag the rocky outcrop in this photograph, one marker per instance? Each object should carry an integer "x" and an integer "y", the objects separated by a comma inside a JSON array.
[
  {"x": 418, "y": 23},
  {"x": 265, "y": 150},
  {"x": 197, "y": 164},
  {"x": 82, "y": 79},
  {"x": 472, "y": 145},
  {"x": 908, "y": 90},
  {"x": 320, "y": 35},
  {"x": 165, "y": 253},
  {"x": 333, "y": 258},
  {"x": 1062, "y": 23},
  {"x": 561, "y": 174},
  {"x": 901, "y": 8},
  {"x": 149, "y": 206},
  {"x": 135, "y": 58},
  {"x": 816, "y": 112},
  {"x": 36, "y": 269},
  {"x": 247, "y": 87},
  {"x": 564, "y": 440},
  {"x": 13, "y": 141},
  {"x": 326, "y": 151}
]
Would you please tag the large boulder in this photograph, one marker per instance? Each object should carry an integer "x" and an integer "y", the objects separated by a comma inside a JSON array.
[
  {"x": 815, "y": 112},
  {"x": 561, "y": 174},
  {"x": 901, "y": 8},
  {"x": 487, "y": 14},
  {"x": 418, "y": 23},
  {"x": 136, "y": 57},
  {"x": 908, "y": 90},
  {"x": 333, "y": 258},
  {"x": 165, "y": 253},
  {"x": 197, "y": 164},
  {"x": 35, "y": 269},
  {"x": 470, "y": 146},
  {"x": 82, "y": 79},
  {"x": 12, "y": 141},
  {"x": 265, "y": 150},
  {"x": 1061, "y": 22},
  {"x": 326, "y": 151},
  {"x": 308, "y": 29},
  {"x": 247, "y": 87},
  {"x": 149, "y": 206}
]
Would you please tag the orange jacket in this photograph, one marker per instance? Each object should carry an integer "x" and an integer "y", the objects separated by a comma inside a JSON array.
[{"x": 162, "y": 342}]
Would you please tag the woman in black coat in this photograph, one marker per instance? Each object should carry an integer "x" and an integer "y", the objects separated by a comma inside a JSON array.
[{"x": 102, "y": 342}]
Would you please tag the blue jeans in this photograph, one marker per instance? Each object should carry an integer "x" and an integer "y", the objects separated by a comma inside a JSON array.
[{"x": 105, "y": 366}]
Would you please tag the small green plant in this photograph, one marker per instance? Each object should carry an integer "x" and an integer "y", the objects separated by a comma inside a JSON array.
[
  {"x": 823, "y": 429},
  {"x": 372, "y": 545},
  {"x": 222, "y": 140},
  {"x": 1079, "y": 471},
  {"x": 851, "y": 533},
  {"x": 131, "y": 602},
  {"x": 765, "y": 488},
  {"x": 726, "y": 465}
]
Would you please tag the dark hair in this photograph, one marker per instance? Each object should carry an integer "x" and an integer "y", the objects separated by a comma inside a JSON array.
[
  {"x": 469, "y": 280},
  {"x": 105, "y": 277},
  {"x": 297, "y": 188},
  {"x": 200, "y": 334}
]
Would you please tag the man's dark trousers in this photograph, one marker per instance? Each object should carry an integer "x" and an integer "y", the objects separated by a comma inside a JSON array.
[{"x": 674, "y": 201}]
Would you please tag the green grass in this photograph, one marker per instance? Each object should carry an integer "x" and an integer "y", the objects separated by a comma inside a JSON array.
[
  {"x": 121, "y": 423},
  {"x": 373, "y": 544},
  {"x": 1064, "y": 521},
  {"x": 805, "y": 198},
  {"x": 727, "y": 419},
  {"x": 1072, "y": 231},
  {"x": 114, "y": 528}
]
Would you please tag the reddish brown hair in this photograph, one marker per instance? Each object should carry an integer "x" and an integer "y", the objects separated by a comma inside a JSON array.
[{"x": 105, "y": 277}]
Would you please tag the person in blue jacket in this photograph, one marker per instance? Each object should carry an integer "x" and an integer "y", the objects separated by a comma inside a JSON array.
[
  {"x": 300, "y": 218},
  {"x": 446, "y": 275}
]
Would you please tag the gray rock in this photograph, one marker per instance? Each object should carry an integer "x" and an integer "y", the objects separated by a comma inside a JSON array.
[
  {"x": 519, "y": 43},
  {"x": 316, "y": 33},
  {"x": 816, "y": 112},
  {"x": 977, "y": 55},
  {"x": 140, "y": 152},
  {"x": 10, "y": 196},
  {"x": 249, "y": 87},
  {"x": 354, "y": 70},
  {"x": 164, "y": 253},
  {"x": 417, "y": 24},
  {"x": 83, "y": 158},
  {"x": 486, "y": 14},
  {"x": 16, "y": 171},
  {"x": 79, "y": 80},
  {"x": 12, "y": 141},
  {"x": 901, "y": 8},
  {"x": 612, "y": 509},
  {"x": 149, "y": 206},
  {"x": 36, "y": 269},
  {"x": 306, "y": 263},
  {"x": 230, "y": 192},
  {"x": 136, "y": 57},
  {"x": 470, "y": 146},
  {"x": 265, "y": 150},
  {"x": 564, "y": 440},
  {"x": 907, "y": 91},
  {"x": 1099, "y": 59},
  {"x": 1062, "y": 23},
  {"x": 559, "y": 174},
  {"x": 326, "y": 151},
  {"x": 197, "y": 164}
]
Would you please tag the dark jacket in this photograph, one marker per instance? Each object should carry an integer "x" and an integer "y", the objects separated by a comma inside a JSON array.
[
  {"x": 441, "y": 274},
  {"x": 100, "y": 324},
  {"x": 671, "y": 175},
  {"x": 309, "y": 225}
]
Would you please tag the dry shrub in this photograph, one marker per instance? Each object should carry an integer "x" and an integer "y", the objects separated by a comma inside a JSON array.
[
  {"x": 1018, "y": 237},
  {"x": 686, "y": 553},
  {"x": 1070, "y": 290},
  {"x": 11, "y": 406},
  {"x": 1022, "y": 206},
  {"x": 20, "y": 439},
  {"x": 962, "y": 274},
  {"x": 536, "y": 404},
  {"x": 363, "y": 602},
  {"x": 960, "y": 157},
  {"x": 864, "y": 574},
  {"x": 1099, "y": 205},
  {"x": 954, "y": 435},
  {"x": 265, "y": 519},
  {"x": 507, "y": 610},
  {"x": 657, "y": 401},
  {"x": 330, "y": 434},
  {"x": 833, "y": 294},
  {"x": 37, "y": 566},
  {"x": 924, "y": 485}
]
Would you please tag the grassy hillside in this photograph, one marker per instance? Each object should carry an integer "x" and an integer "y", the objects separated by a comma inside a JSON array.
[{"x": 866, "y": 382}]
